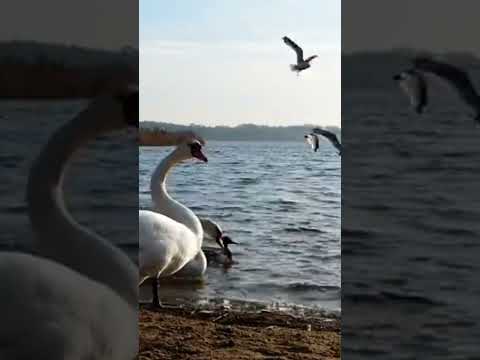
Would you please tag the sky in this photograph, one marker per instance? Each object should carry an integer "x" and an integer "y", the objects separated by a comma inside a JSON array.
[
  {"x": 215, "y": 62},
  {"x": 428, "y": 24}
]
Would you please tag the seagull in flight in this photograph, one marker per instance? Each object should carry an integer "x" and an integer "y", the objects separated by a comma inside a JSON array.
[
  {"x": 302, "y": 64},
  {"x": 413, "y": 83},
  {"x": 457, "y": 78},
  {"x": 312, "y": 139},
  {"x": 330, "y": 136}
]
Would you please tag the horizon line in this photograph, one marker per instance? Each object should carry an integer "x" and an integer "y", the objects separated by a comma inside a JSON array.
[{"x": 242, "y": 124}]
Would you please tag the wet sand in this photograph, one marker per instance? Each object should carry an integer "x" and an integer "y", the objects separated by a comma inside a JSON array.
[{"x": 180, "y": 333}]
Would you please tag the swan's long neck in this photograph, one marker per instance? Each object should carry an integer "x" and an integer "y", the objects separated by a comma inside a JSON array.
[
  {"x": 164, "y": 203},
  {"x": 59, "y": 237}
]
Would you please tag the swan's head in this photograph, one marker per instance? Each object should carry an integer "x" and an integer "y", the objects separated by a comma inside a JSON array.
[
  {"x": 191, "y": 150},
  {"x": 212, "y": 230}
]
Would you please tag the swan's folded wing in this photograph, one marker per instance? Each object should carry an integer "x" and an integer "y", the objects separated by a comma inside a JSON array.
[{"x": 165, "y": 245}]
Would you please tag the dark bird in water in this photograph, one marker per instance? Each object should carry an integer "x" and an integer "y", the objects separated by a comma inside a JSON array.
[
  {"x": 457, "y": 78},
  {"x": 331, "y": 137},
  {"x": 302, "y": 64},
  {"x": 224, "y": 258},
  {"x": 312, "y": 139},
  {"x": 413, "y": 83}
]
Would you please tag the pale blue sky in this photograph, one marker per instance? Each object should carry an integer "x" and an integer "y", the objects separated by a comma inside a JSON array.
[{"x": 223, "y": 62}]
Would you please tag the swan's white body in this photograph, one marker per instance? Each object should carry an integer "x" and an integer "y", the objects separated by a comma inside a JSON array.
[
  {"x": 166, "y": 245},
  {"x": 81, "y": 302},
  {"x": 52, "y": 312},
  {"x": 171, "y": 236},
  {"x": 197, "y": 267}
]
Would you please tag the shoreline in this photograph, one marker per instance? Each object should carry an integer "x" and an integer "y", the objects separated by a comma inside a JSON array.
[{"x": 221, "y": 333}]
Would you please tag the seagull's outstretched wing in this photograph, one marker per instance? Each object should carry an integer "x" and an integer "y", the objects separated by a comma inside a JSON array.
[
  {"x": 312, "y": 139},
  {"x": 331, "y": 137},
  {"x": 413, "y": 83},
  {"x": 310, "y": 58},
  {"x": 457, "y": 78},
  {"x": 316, "y": 143},
  {"x": 298, "y": 50}
]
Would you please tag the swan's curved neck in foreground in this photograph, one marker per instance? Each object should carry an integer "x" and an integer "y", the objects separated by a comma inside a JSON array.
[
  {"x": 59, "y": 237},
  {"x": 164, "y": 203}
]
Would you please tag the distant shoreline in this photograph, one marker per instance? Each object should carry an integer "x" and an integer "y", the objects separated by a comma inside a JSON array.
[
  {"x": 229, "y": 140},
  {"x": 33, "y": 70},
  {"x": 243, "y": 132}
]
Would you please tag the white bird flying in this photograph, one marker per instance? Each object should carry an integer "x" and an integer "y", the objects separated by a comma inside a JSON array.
[
  {"x": 312, "y": 139},
  {"x": 457, "y": 78},
  {"x": 331, "y": 137},
  {"x": 302, "y": 64},
  {"x": 413, "y": 83}
]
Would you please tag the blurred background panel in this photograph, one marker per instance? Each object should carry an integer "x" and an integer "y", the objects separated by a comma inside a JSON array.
[
  {"x": 410, "y": 199},
  {"x": 55, "y": 57}
]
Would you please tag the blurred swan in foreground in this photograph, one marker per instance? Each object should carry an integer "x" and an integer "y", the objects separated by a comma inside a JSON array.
[
  {"x": 79, "y": 301},
  {"x": 171, "y": 236},
  {"x": 330, "y": 136},
  {"x": 457, "y": 78},
  {"x": 414, "y": 85},
  {"x": 302, "y": 64}
]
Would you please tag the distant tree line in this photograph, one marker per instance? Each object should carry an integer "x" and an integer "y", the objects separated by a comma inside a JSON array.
[
  {"x": 36, "y": 70},
  {"x": 247, "y": 132}
]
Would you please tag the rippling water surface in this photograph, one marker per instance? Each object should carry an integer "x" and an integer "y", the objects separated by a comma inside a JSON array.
[
  {"x": 281, "y": 202},
  {"x": 410, "y": 228}
]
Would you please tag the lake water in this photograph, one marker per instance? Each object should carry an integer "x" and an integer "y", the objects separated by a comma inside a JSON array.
[
  {"x": 411, "y": 228},
  {"x": 280, "y": 201}
]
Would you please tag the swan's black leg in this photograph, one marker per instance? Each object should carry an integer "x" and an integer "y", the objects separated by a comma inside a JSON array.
[{"x": 155, "y": 300}]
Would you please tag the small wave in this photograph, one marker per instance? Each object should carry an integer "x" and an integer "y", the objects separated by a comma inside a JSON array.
[
  {"x": 451, "y": 265},
  {"x": 17, "y": 209},
  {"x": 304, "y": 229},
  {"x": 386, "y": 297},
  {"x": 249, "y": 181},
  {"x": 357, "y": 233},
  {"x": 374, "y": 208},
  {"x": 305, "y": 286},
  {"x": 458, "y": 155},
  {"x": 423, "y": 133},
  {"x": 415, "y": 299}
]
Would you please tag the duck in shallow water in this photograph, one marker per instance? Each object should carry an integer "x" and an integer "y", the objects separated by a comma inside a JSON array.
[{"x": 224, "y": 257}]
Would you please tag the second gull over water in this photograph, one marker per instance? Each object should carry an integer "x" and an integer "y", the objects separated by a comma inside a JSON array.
[{"x": 456, "y": 77}]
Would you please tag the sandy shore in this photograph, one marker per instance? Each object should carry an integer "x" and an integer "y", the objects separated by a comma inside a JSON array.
[{"x": 178, "y": 333}]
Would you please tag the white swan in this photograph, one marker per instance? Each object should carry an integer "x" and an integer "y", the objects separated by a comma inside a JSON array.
[
  {"x": 81, "y": 303},
  {"x": 212, "y": 233},
  {"x": 171, "y": 237}
]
